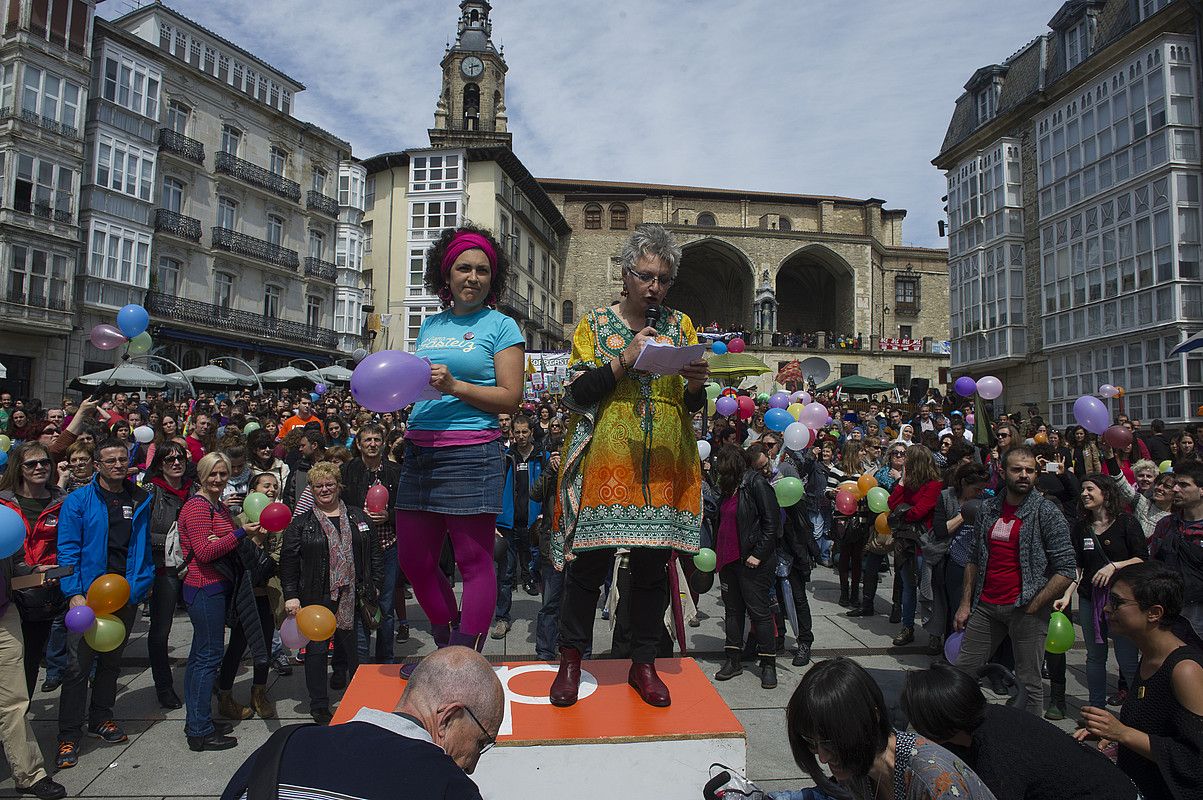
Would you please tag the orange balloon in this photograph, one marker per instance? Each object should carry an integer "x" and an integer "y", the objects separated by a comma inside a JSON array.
[
  {"x": 851, "y": 488},
  {"x": 1199, "y": 411},
  {"x": 1040, "y": 438},
  {"x": 1119, "y": 391},
  {"x": 866, "y": 482},
  {"x": 316, "y": 623},
  {"x": 882, "y": 523},
  {"x": 108, "y": 594}
]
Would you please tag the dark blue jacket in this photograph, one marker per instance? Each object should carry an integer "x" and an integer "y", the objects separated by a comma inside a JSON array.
[
  {"x": 534, "y": 469},
  {"x": 83, "y": 541}
]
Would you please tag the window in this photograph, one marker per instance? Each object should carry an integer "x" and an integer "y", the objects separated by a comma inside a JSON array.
[
  {"x": 367, "y": 237},
  {"x": 618, "y": 217},
  {"x": 415, "y": 286},
  {"x": 348, "y": 248},
  {"x": 1151, "y": 7},
  {"x": 313, "y": 311},
  {"x": 119, "y": 255},
  {"x": 227, "y": 213},
  {"x": 124, "y": 167},
  {"x": 277, "y": 161},
  {"x": 50, "y": 97},
  {"x": 223, "y": 290},
  {"x": 275, "y": 229},
  {"x": 320, "y": 176},
  {"x": 434, "y": 173},
  {"x": 783, "y": 224},
  {"x": 707, "y": 220},
  {"x": 8, "y": 73},
  {"x": 902, "y": 377},
  {"x": 317, "y": 245},
  {"x": 167, "y": 276},
  {"x": 434, "y": 215},
  {"x": 177, "y": 116},
  {"x": 544, "y": 268},
  {"x": 43, "y": 188},
  {"x": 906, "y": 291},
  {"x": 566, "y": 312},
  {"x": 37, "y": 277},
  {"x": 1077, "y": 44},
  {"x": 231, "y": 137},
  {"x": 593, "y": 215},
  {"x": 904, "y": 332},
  {"x": 271, "y": 301},
  {"x": 131, "y": 84},
  {"x": 413, "y": 324},
  {"x": 350, "y": 185},
  {"x": 369, "y": 192},
  {"x": 346, "y": 314},
  {"x": 987, "y": 102},
  {"x": 172, "y": 197}
]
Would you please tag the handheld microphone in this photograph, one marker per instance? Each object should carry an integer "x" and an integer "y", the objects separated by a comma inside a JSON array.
[{"x": 652, "y": 316}]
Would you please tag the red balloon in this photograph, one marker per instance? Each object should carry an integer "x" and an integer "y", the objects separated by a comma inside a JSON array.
[
  {"x": 275, "y": 517},
  {"x": 735, "y": 346},
  {"x": 1118, "y": 437},
  {"x": 747, "y": 407},
  {"x": 377, "y": 499},
  {"x": 845, "y": 502}
]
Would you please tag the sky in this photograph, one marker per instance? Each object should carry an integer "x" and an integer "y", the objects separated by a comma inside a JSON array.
[{"x": 848, "y": 98}]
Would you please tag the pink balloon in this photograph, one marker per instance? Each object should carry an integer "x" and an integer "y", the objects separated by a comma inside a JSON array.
[
  {"x": 106, "y": 337},
  {"x": 1107, "y": 390},
  {"x": 969, "y": 418},
  {"x": 736, "y": 346},
  {"x": 814, "y": 416},
  {"x": 290, "y": 636},
  {"x": 845, "y": 502},
  {"x": 990, "y": 388},
  {"x": 377, "y": 499}
]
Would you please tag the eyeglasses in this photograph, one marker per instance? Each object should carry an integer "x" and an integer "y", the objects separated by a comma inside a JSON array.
[
  {"x": 175, "y": 459},
  {"x": 898, "y": 454},
  {"x": 1114, "y": 601},
  {"x": 111, "y": 462},
  {"x": 1003, "y": 436},
  {"x": 35, "y": 463},
  {"x": 490, "y": 740},
  {"x": 814, "y": 744},
  {"x": 647, "y": 278}
]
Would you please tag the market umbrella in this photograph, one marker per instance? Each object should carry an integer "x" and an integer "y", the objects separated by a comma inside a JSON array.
[
  {"x": 215, "y": 376},
  {"x": 127, "y": 376},
  {"x": 333, "y": 374},
  {"x": 291, "y": 377},
  {"x": 736, "y": 365},
  {"x": 858, "y": 384}
]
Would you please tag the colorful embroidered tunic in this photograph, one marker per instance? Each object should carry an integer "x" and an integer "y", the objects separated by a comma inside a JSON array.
[{"x": 631, "y": 476}]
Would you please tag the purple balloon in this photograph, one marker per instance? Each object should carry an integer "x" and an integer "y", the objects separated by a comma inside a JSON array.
[
  {"x": 814, "y": 416},
  {"x": 321, "y": 389},
  {"x": 389, "y": 380},
  {"x": 952, "y": 646},
  {"x": 779, "y": 400},
  {"x": 965, "y": 386},
  {"x": 726, "y": 405},
  {"x": 106, "y": 337},
  {"x": 79, "y": 619},
  {"x": 1092, "y": 414},
  {"x": 290, "y": 635}
]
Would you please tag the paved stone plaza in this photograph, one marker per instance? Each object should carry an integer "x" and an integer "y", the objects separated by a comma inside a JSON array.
[{"x": 156, "y": 762}]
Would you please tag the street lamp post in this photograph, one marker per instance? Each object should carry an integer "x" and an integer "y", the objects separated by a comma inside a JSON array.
[
  {"x": 251, "y": 369},
  {"x": 184, "y": 375}
]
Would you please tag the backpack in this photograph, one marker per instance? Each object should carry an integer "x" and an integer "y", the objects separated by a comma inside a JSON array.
[{"x": 173, "y": 553}]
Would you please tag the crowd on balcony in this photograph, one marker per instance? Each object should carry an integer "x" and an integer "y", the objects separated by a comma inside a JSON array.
[{"x": 796, "y": 339}]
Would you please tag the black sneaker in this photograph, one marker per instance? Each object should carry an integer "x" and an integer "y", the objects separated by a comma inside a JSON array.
[
  {"x": 46, "y": 789},
  {"x": 282, "y": 665},
  {"x": 214, "y": 741},
  {"x": 402, "y": 633},
  {"x": 802, "y": 655},
  {"x": 68, "y": 755},
  {"x": 51, "y": 684},
  {"x": 108, "y": 731}
]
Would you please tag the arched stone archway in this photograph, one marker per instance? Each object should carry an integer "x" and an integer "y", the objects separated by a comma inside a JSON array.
[
  {"x": 815, "y": 289},
  {"x": 714, "y": 284}
]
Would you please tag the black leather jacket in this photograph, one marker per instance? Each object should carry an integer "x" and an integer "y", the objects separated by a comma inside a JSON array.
[
  {"x": 758, "y": 518},
  {"x": 305, "y": 559}
]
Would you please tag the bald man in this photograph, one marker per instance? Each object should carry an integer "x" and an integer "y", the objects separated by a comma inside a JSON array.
[{"x": 448, "y": 716}]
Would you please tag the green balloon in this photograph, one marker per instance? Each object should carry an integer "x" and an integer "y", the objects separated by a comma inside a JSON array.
[
  {"x": 789, "y": 491},
  {"x": 713, "y": 390},
  {"x": 1060, "y": 636},
  {"x": 763, "y": 397},
  {"x": 250, "y": 428},
  {"x": 706, "y": 560},
  {"x": 254, "y": 504},
  {"x": 1165, "y": 466},
  {"x": 106, "y": 634},
  {"x": 141, "y": 344},
  {"x": 878, "y": 499}
]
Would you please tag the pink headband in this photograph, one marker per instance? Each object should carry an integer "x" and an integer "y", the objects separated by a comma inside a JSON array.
[{"x": 467, "y": 241}]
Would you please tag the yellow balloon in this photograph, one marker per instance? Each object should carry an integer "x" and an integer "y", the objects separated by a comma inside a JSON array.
[
  {"x": 795, "y": 409},
  {"x": 5, "y": 443}
]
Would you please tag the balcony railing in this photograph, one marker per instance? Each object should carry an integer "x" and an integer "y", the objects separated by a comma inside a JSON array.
[
  {"x": 228, "y": 320},
  {"x": 553, "y": 327},
  {"x": 322, "y": 270},
  {"x": 516, "y": 303},
  {"x": 26, "y": 206},
  {"x": 906, "y": 309},
  {"x": 177, "y": 225},
  {"x": 181, "y": 145},
  {"x": 316, "y": 201},
  {"x": 249, "y": 246},
  {"x": 45, "y": 123},
  {"x": 35, "y": 301},
  {"x": 537, "y": 318},
  {"x": 258, "y": 176}
]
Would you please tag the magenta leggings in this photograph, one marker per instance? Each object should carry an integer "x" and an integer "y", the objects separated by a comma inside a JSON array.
[{"x": 419, "y": 544}]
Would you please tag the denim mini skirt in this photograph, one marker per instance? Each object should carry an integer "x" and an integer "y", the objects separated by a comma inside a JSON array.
[{"x": 459, "y": 480}]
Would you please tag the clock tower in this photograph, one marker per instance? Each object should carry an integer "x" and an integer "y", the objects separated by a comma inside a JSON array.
[{"x": 471, "y": 106}]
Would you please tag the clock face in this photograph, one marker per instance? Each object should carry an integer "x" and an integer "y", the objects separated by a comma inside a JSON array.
[{"x": 472, "y": 67}]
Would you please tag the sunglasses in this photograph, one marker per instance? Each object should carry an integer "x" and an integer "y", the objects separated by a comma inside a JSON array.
[
  {"x": 35, "y": 463},
  {"x": 176, "y": 459}
]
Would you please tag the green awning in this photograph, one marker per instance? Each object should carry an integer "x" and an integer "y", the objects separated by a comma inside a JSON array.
[{"x": 859, "y": 384}]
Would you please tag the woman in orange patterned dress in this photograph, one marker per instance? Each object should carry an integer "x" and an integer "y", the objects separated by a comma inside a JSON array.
[{"x": 630, "y": 476}]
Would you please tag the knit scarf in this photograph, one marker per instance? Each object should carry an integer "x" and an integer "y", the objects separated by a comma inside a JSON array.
[{"x": 342, "y": 566}]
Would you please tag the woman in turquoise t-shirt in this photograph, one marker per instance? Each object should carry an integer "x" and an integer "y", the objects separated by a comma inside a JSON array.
[{"x": 452, "y": 473}]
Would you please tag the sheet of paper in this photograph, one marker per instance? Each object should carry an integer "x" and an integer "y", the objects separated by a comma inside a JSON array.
[{"x": 667, "y": 359}]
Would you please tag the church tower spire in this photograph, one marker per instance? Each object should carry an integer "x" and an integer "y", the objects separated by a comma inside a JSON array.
[{"x": 471, "y": 106}]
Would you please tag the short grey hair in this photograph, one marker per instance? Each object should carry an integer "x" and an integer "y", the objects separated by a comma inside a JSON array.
[{"x": 653, "y": 241}]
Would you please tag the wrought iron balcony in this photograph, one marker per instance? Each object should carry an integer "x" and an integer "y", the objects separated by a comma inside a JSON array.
[
  {"x": 26, "y": 206},
  {"x": 228, "y": 320},
  {"x": 258, "y": 176},
  {"x": 516, "y": 303},
  {"x": 36, "y": 301},
  {"x": 249, "y": 246},
  {"x": 45, "y": 123},
  {"x": 537, "y": 318},
  {"x": 553, "y": 327},
  {"x": 177, "y": 225},
  {"x": 181, "y": 145},
  {"x": 322, "y": 270},
  {"x": 316, "y": 201},
  {"x": 906, "y": 309}
]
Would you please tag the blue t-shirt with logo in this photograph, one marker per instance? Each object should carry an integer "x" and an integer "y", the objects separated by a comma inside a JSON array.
[{"x": 466, "y": 346}]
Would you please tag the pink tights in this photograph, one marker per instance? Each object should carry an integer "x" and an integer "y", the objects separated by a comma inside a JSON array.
[{"x": 419, "y": 543}]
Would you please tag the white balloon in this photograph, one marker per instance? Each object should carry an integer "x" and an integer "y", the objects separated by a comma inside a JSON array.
[
  {"x": 144, "y": 434},
  {"x": 703, "y": 449},
  {"x": 797, "y": 436}
]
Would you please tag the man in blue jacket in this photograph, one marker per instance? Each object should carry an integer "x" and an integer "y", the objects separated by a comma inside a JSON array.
[
  {"x": 103, "y": 527},
  {"x": 523, "y": 466}
]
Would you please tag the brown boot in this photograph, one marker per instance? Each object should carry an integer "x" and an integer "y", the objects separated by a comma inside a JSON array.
[
  {"x": 264, "y": 706},
  {"x": 229, "y": 708}
]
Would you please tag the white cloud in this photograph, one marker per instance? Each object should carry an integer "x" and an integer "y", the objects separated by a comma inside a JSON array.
[{"x": 805, "y": 96}]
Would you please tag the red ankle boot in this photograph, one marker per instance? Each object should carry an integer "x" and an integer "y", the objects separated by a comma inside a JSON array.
[
  {"x": 643, "y": 679},
  {"x": 568, "y": 680}
]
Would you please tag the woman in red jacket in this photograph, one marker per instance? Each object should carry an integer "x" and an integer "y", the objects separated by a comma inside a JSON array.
[
  {"x": 29, "y": 486},
  {"x": 919, "y": 488}
]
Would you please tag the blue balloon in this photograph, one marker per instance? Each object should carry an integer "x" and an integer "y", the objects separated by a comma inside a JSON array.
[
  {"x": 12, "y": 532},
  {"x": 718, "y": 348},
  {"x": 314, "y": 396},
  {"x": 132, "y": 320},
  {"x": 778, "y": 419},
  {"x": 3, "y": 461}
]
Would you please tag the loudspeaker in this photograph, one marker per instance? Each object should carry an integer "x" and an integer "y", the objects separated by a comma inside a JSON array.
[{"x": 918, "y": 390}]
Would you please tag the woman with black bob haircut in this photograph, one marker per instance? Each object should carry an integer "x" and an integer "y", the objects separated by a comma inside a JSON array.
[
  {"x": 1016, "y": 754},
  {"x": 838, "y": 716}
]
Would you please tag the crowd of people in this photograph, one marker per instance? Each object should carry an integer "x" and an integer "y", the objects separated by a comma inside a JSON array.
[{"x": 601, "y": 492}]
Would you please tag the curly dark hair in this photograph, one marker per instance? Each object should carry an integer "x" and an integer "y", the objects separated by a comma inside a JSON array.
[{"x": 433, "y": 278}]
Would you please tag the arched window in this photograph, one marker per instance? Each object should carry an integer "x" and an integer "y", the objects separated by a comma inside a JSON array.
[
  {"x": 593, "y": 215},
  {"x": 618, "y": 217},
  {"x": 706, "y": 220},
  {"x": 566, "y": 312},
  {"x": 471, "y": 106},
  {"x": 783, "y": 224}
]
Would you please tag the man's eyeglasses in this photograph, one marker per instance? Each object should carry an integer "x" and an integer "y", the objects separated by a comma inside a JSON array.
[
  {"x": 36, "y": 463},
  {"x": 490, "y": 740},
  {"x": 111, "y": 462},
  {"x": 647, "y": 278}
]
